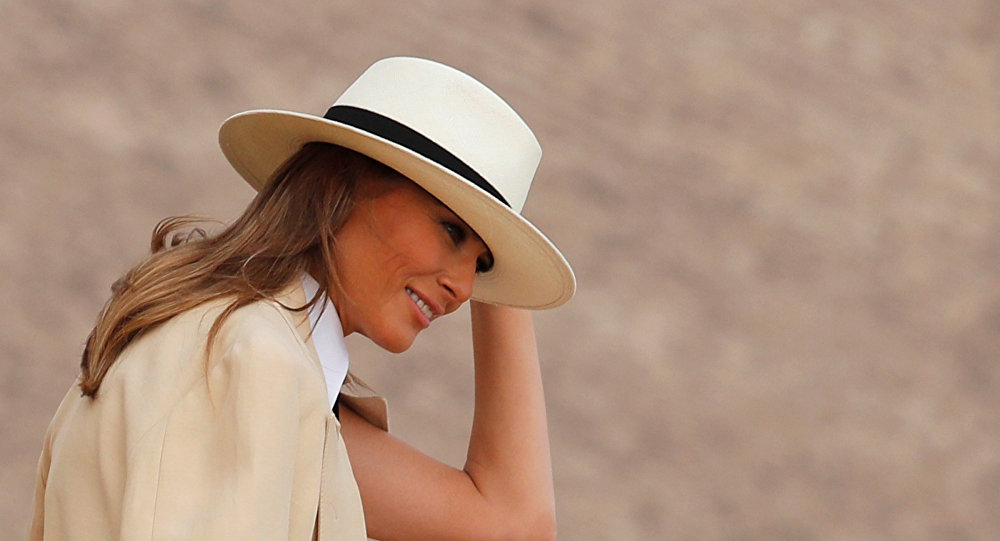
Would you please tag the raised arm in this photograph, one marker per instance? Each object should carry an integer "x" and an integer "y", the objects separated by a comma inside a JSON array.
[{"x": 505, "y": 489}]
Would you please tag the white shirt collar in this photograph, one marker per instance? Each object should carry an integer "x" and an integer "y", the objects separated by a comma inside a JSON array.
[{"x": 328, "y": 338}]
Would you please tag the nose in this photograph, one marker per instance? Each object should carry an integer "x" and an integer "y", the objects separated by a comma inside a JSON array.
[{"x": 457, "y": 281}]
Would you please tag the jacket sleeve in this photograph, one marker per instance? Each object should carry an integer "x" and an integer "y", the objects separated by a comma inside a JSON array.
[
  {"x": 36, "y": 529},
  {"x": 228, "y": 455}
]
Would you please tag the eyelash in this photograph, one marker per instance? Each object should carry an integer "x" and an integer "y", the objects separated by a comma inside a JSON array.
[{"x": 458, "y": 236}]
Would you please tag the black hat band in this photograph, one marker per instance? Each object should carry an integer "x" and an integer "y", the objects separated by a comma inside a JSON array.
[{"x": 402, "y": 135}]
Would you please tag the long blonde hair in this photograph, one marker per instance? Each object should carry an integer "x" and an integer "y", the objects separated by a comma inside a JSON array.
[{"x": 287, "y": 229}]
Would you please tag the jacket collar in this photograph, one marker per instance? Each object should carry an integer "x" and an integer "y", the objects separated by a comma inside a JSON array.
[
  {"x": 327, "y": 338},
  {"x": 321, "y": 332}
]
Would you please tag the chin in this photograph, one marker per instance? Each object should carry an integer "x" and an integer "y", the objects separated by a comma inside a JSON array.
[
  {"x": 395, "y": 348},
  {"x": 393, "y": 344}
]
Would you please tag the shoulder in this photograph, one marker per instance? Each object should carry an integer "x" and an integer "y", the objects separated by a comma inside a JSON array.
[
  {"x": 261, "y": 324},
  {"x": 263, "y": 332},
  {"x": 256, "y": 341}
]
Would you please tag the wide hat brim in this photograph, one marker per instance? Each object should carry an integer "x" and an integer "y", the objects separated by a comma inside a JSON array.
[{"x": 528, "y": 272}]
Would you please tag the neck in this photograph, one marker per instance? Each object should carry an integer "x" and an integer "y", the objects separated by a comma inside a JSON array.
[{"x": 335, "y": 296}]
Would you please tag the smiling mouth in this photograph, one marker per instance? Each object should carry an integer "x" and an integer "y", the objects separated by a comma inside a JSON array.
[{"x": 421, "y": 304}]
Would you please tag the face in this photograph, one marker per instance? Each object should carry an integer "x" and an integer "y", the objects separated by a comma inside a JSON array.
[{"x": 404, "y": 260}]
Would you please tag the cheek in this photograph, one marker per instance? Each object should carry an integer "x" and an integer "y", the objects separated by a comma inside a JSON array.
[
  {"x": 415, "y": 252},
  {"x": 384, "y": 255},
  {"x": 392, "y": 272},
  {"x": 382, "y": 270}
]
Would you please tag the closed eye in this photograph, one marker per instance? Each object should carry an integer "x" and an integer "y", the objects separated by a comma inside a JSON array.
[
  {"x": 458, "y": 236},
  {"x": 455, "y": 232}
]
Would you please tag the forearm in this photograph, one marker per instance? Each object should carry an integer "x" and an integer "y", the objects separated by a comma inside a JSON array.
[
  {"x": 505, "y": 490},
  {"x": 509, "y": 458}
]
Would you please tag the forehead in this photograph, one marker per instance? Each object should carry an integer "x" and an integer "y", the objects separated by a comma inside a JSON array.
[
  {"x": 411, "y": 192},
  {"x": 410, "y": 196}
]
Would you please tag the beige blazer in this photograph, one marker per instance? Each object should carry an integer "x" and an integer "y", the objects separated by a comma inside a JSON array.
[{"x": 241, "y": 445}]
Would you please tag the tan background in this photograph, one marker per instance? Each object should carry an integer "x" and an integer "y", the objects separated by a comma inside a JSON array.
[{"x": 783, "y": 216}]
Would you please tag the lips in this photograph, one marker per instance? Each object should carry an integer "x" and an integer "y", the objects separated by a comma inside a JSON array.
[{"x": 423, "y": 306}]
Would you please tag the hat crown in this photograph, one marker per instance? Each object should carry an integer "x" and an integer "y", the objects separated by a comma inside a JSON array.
[{"x": 456, "y": 112}]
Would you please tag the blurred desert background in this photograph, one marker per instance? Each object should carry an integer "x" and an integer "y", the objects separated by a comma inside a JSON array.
[{"x": 783, "y": 217}]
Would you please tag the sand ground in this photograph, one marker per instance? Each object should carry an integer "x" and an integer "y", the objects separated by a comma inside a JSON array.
[{"x": 783, "y": 217}]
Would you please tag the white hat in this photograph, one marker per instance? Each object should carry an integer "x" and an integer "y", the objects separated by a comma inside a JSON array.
[{"x": 448, "y": 133}]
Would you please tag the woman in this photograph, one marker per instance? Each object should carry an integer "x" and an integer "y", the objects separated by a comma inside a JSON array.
[{"x": 214, "y": 400}]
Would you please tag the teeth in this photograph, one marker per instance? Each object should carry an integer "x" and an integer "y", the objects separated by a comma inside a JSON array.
[{"x": 420, "y": 304}]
